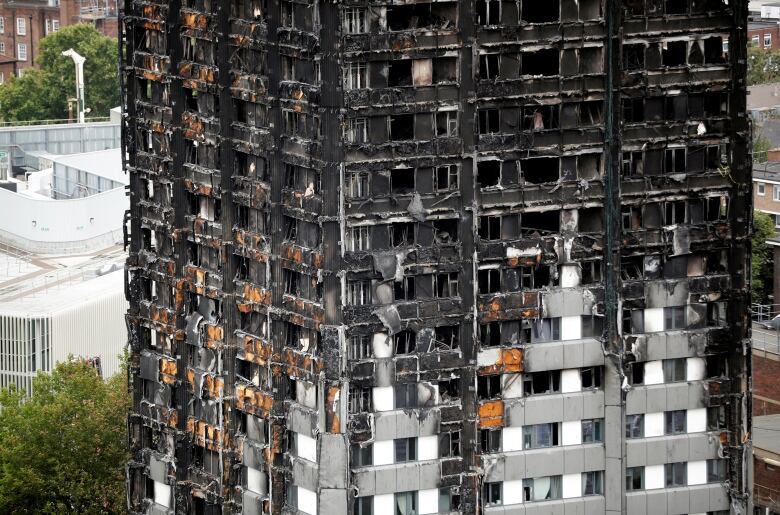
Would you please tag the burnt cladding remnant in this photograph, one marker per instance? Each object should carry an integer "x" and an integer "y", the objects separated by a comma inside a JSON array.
[{"x": 415, "y": 257}]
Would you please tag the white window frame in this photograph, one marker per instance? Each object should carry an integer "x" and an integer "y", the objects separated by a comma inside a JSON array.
[
  {"x": 356, "y": 130},
  {"x": 359, "y": 293},
  {"x": 21, "y": 27},
  {"x": 21, "y": 51},
  {"x": 777, "y": 221},
  {"x": 55, "y": 25},
  {"x": 47, "y": 28},
  {"x": 776, "y": 192},
  {"x": 358, "y": 238},
  {"x": 355, "y": 20},
  {"x": 755, "y": 41},
  {"x": 2, "y": 47},
  {"x": 2, "y": 77},
  {"x": 358, "y": 184},
  {"x": 355, "y": 76},
  {"x": 767, "y": 40},
  {"x": 2, "y": 25},
  {"x": 760, "y": 188}
]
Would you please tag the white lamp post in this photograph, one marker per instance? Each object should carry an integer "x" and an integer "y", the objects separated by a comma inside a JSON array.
[{"x": 79, "y": 61}]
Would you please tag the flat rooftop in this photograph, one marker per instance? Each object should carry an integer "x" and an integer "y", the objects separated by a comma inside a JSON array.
[
  {"x": 36, "y": 285},
  {"x": 103, "y": 163}
]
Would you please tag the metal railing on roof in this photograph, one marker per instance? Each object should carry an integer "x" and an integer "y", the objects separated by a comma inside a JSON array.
[{"x": 61, "y": 121}]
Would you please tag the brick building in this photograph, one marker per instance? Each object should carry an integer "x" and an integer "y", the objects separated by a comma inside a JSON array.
[
  {"x": 766, "y": 464},
  {"x": 764, "y": 34},
  {"x": 23, "y": 23},
  {"x": 393, "y": 257}
]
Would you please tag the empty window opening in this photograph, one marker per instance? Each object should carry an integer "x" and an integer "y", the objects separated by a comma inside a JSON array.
[
  {"x": 536, "y": 383},
  {"x": 445, "y": 69},
  {"x": 631, "y": 217},
  {"x": 401, "y": 127},
  {"x": 674, "y": 53},
  {"x": 447, "y": 124},
  {"x": 402, "y": 234},
  {"x": 489, "y": 441},
  {"x": 400, "y": 73},
  {"x": 633, "y": 57},
  {"x": 674, "y": 212},
  {"x": 591, "y": 272},
  {"x": 447, "y": 177},
  {"x": 540, "y": 170},
  {"x": 488, "y": 12},
  {"x": 489, "y": 66},
  {"x": 541, "y": 62},
  {"x": 445, "y": 231},
  {"x": 591, "y": 113},
  {"x": 543, "y": 222},
  {"x": 489, "y": 280},
  {"x": 713, "y": 50},
  {"x": 490, "y": 227},
  {"x": 631, "y": 268},
  {"x": 676, "y": 6},
  {"x": 535, "y": 11},
  {"x": 359, "y": 399},
  {"x": 446, "y": 285},
  {"x": 489, "y": 121},
  {"x": 404, "y": 290},
  {"x": 449, "y": 444},
  {"x": 420, "y": 16},
  {"x": 402, "y": 180},
  {"x": 488, "y": 173},
  {"x": 447, "y": 337},
  {"x": 491, "y": 493},
  {"x": 490, "y": 334},
  {"x": 539, "y": 118},
  {"x": 404, "y": 342},
  {"x": 488, "y": 387},
  {"x": 591, "y": 377},
  {"x": 634, "y": 110}
]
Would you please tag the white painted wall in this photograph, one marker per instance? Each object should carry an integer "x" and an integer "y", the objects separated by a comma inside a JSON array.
[
  {"x": 654, "y": 372},
  {"x": 384, "y": 452},
  {"x": 487, "y": 357},
  {"x": 383, "y": 397},
  {"x": 654, "y": 424},
  {"x": 696, "y": 420},
  {"x": 654, "y": 320},
  {"x": 511, "y": 386},
  {"x": 572, "y": 432},
  {"x": 571, "y": 328},
  {"x": 255, "y": 481},
  {"x": 570, "y": 380},
  {"x": 570, "y": 276},
  {"x": 162, "y": 494},
  {"x": 384, "y": 504},
  {"x": 572, "y": 485},
  {"x": 654, "y": 477},
  {"x": 381, "y": 345},
  {"x": 512, "y": 439},
  {"x": 695, "y": 369},
  {"x": 697, "y": 472},
  {"x": 428, "y": 501},
  {"x": 76, "y": 225},
  {"x": 307, "y": 501},
  {"x": 512, "y": 491},
  {"x": 307, "y": 447},
  {"x": 427, "y": 448}
]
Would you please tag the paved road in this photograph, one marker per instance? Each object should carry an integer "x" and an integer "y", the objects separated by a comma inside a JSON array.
[{"x": 766, "y": 339}]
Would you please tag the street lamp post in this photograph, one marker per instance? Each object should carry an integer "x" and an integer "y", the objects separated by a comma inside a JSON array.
[{"x": 78, "y": 60}]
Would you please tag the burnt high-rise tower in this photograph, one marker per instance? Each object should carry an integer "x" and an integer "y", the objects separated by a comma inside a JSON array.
[{"x": 413, "y": 257}]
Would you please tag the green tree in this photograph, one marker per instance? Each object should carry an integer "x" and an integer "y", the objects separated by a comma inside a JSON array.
[
  {"x": 42, "y": 94},
  {"x": 761, "y": 146},
  {"x": 63, "y": 450},
  {"x": 762, "y": 265},
  {"x": 763, "y": 66}
]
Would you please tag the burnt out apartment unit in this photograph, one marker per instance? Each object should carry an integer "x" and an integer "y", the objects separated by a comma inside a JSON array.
[{"x": 414, "y": 257}]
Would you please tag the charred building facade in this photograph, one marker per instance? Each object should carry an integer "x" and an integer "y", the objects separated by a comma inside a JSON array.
[{"x": 413, "y": 257}]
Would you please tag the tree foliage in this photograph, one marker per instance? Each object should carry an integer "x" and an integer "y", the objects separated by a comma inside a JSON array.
[
  {"x": 762, "y": 271},
  {"x": 761, "y": 147},
  {"x": 63, "y": 450},
  {"x": 763, "y": 66},
  {"x": 42, "y": 94}
]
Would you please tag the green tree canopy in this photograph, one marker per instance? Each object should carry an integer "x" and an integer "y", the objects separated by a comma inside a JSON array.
[
  {"x": 762, "y": 264},
  {"x": 761, "y": 146},
  {"x": 64, "y": 449},
  {"x": 42, "y": 94},
  {"x": 763, "y": 66}
]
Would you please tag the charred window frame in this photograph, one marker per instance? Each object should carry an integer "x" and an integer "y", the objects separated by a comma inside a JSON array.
[
  {"x": 489, "y": 441},
  {"x": 488, "y": 386},
  {"x": 446, "y": 285},
  {"x": 535, "y": 11},
  {"x": 404, "y": 289},
  {"x": 359, "y": 293},
  {"x": 489, "y": 66},
  {"x": 447, "y": 177},
  {"x": 361, "y": 455},
  {"x": 541, "y": 383},
  {"x": 358, "y": 184},
  {"x": 633, "y": 163},
  {"x": 402, "y": 234},
  {"x": 491, "y": 493},
  {"x": 634, "y": 57},
  {"x": 360, "y": 346},
  {"x": 489, "y": 280},
  {"x": 356, "y": 131},
  {"x": 488, "y": 12},
  {"x": 355, "y": 76},
  {"x": 590, "y": 272},
  {"x": 403, "y": 180},
  {"x": 358, "y": 239},
  {"x": 401, "y": 127},
  {"x": 489, "y": 121},
  {"x": 404, "y": 342},
  {"x": 447, "y": 124},
  {"x": 490, "y": 227},
  {"x": 449, "y": 444},
  {"x": 591, "y": 378},
  {"x": 490, "y": 334},
  {"x": 287, "y": 13},
  {"x": 446, "y": 337},
  {"x": 355, "y": 20},
  {"x": 539, "y": 118},
  {"x": 360, "y": 399}
]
